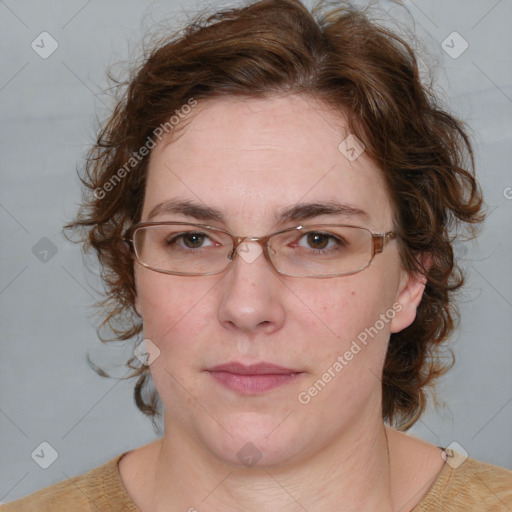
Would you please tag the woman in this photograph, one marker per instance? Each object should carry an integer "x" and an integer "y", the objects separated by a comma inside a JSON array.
[{"x": 272, "y": 202}]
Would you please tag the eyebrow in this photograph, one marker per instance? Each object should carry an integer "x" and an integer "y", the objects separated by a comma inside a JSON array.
[{"x": 297, "y": 212}]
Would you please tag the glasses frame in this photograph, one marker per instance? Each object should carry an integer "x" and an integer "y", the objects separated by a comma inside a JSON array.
[{"x": 379, "y": 242}]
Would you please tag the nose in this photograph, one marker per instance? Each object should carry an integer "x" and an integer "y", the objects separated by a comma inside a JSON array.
[{"x": 251, "y": 299}]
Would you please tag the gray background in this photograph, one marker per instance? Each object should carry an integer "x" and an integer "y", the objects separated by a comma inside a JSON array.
[{"x": 48, "y": 108}]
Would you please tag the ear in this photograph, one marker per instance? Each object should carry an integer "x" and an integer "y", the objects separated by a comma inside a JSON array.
[
  {"x": 137, "y": 305},
  {"x": 409, "y": 295}
]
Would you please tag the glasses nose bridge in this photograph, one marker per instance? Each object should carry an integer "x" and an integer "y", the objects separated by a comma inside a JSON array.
[{"x": 262, "y": 241}]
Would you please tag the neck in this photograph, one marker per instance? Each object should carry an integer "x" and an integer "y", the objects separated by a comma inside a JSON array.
[{"x": 352, "y": 474}]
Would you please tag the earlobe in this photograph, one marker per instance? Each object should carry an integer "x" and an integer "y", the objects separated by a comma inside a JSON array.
[{"x": 409, "y": 297}]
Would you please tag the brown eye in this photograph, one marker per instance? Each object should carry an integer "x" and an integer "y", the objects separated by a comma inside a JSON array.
[
  {"x": 318, "y": 240},
  {"x": 193, "y": 240},
  {"x": 189, "y": 240}
]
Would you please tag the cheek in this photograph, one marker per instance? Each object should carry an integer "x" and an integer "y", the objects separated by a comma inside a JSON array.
[
  {"x": 345, "y": 311},
  {"x": 172, "y": 307},
  {"x": 349, "y": 349},
  {"x": 342, "y": 307}
]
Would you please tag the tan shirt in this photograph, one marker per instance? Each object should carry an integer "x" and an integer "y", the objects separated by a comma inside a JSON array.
[{"x": 472, "y": 486}]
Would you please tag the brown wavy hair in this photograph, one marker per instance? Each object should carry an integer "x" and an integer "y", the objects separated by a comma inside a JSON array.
[{"x": 356, "y": 66}]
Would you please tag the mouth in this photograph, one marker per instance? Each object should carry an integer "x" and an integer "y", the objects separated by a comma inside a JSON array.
[{"x": 253, "y": 379}]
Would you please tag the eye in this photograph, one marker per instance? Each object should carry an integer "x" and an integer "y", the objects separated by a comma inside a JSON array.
[
  {"x": 190, "y": 240},
  {"x": 319, "y": 241}
]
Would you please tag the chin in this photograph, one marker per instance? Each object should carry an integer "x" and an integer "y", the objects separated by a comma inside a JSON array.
[{"x": 251, "y": 440}]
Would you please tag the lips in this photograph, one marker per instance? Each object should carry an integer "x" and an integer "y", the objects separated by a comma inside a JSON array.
[
  {"x": 252, "y": 379},
  {"x": 253, "y": 369}
]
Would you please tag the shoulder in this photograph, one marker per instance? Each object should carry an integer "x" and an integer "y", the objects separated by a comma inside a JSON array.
[
  {"x": 468, "y": 485},
  {"x": 92, "y": 491}
]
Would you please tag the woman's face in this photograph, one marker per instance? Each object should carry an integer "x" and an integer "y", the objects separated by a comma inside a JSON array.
[{"x": 250, "y": 159}]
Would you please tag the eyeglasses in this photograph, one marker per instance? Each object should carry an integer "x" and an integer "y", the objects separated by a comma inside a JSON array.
[{"x": 318, "y": 250}]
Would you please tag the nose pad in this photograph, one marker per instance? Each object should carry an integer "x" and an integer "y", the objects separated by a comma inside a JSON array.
[{"x": 249, "y": 251}]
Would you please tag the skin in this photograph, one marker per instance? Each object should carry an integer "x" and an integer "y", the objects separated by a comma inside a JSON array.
[{"x": 249, "y": 158}]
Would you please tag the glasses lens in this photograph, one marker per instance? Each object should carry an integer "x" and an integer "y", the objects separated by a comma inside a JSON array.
[
  {"x": 182, "y": 248},
  {"x": 324, "y": 250}
]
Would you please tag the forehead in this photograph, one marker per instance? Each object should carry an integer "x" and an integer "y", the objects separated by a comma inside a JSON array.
[{"x": 252, "y": 157}]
